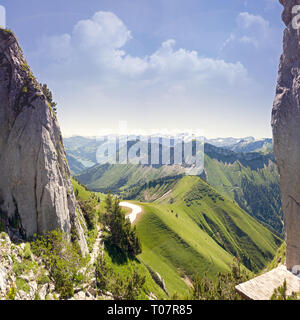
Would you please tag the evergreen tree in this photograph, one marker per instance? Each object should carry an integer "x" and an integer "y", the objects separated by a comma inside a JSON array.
[
  {"x": 122, "y": 234},
  {"x": 280, "y": 293}
]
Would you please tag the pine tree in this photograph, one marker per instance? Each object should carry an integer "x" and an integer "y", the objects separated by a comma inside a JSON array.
[{"x": 122, "y": 234}]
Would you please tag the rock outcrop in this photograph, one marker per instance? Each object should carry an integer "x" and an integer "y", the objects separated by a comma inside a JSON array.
[
  {"x": 286, "y": 131},
  {"x": 36, "y": 193}
]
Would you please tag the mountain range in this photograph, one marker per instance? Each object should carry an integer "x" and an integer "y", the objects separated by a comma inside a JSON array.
[{"x": 249, "y": 178}]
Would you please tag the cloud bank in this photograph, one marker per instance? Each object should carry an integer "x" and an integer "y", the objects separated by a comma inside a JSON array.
[
  {"x": 91, "y": 67},
  {"x": 96, "y": 48}
]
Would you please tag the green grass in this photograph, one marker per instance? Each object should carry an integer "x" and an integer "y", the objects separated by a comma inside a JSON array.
[
  {"x": 253, "y": 185},
  {"x": 119, "y": 263},
  {"x": 116, "y": 177},
  {"x": 124, "y": 267},
  {"x": 278, "y": 259},
  {"x": 84, "y": 194},
  {"x": 22, "y": 285},
  {"x": 208, "y": 231}
]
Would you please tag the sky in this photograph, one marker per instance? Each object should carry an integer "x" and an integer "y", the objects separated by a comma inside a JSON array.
[{"x": 209, "y": 65}]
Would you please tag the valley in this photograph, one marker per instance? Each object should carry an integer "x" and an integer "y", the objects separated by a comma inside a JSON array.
[
  {"x": 197, "y": 225},
  {"x": 249, "y": 178}
]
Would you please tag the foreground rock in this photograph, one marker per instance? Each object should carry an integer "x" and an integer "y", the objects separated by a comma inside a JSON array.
[
  {"x": 286, "y": 132},
  {"x": 36, "y": 193},
  {"x": 24, "y": 276}
]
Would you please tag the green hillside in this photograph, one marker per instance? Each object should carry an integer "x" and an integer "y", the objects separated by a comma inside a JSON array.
[
  {"x": 117, "y": 177},
  {"x": 193, "y": 230},
  {"x": 253, "y": 184},
  {"x": 251, "y": 179},
  {"x": 152, "y": 190},
  {"x": 278, "y": 259},
  {"x": 116, "y": 260},
  {"x": 83, "y": 194},
  {"x": 75, "y": 165},
  {"x": 124, "y": 267}
]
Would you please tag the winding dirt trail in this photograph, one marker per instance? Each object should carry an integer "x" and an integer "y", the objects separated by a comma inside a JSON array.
[{"x": 135, "y": 210}]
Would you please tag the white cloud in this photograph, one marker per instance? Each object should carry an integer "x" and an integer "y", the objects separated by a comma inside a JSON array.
[
  {"x": 249, "y": 40},
  {"x": 90, "y": 67},
  {"x": 247, "y": 20},
  {"x": 251, "y": 30},
  {"x": 96, "y": 45},
  {"x": 105, "y": 29}
]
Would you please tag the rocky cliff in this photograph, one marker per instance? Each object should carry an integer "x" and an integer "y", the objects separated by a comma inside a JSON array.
[
  {"x": 36, "y": 193},
  {"x": 286, "y": 131}
]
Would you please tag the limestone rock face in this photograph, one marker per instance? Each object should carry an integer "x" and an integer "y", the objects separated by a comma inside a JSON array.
[
  {"x": 286, "y": 132},
  {"x": 36, "y": 192}
]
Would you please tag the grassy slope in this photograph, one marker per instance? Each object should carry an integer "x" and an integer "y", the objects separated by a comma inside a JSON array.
[
  {"x": 152, "y": 190},
  {"x": 123, "y": 267},
  {"x": 256, "y": 191},
  {"x": 202, "y": 236},
  {"x": 278, "y": 259},
  {"x": 83, "y": 194},
  {"x": 116, "y": 177},
  {"x": 228, "y": 177}
]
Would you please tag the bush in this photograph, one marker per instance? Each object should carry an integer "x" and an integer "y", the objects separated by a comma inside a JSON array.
[
  {"x": 103, "y": 273},
  {"x": 18, "y": 268},
  {"x": 280, "y": 293},
  {"x": 27, "y": 251},
  {"x": 223, "y": 288},
  {"x": 89, "y": 212},
  {"x": 37, "y": 296},
  {"x": 62, "y": 259},
  {"x": 108, "y": 280},
  {"x": 48, "y": 95},
  {"x": 24, "y": 267},
  {"x": 22, "y": 285},
  {"x": 42, "y": 279}
]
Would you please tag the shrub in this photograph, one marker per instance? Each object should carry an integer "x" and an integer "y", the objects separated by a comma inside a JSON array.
[
  {"x": 89, "y": 212},
  {"x": 42, "y": 279},
  {"x": 280, "y": 293},
  {"x": 37, "y": 296},
  {"x": 223, "y": 288},
  {"x": 103, "y": 273},
  {"x": 121, "y": 289},
  {"x": 62, "y": 259},
  {"x": 22, "y": 285},
  {"x": 48, "y": 95},
  {"x": 18, "y": 268},
  {"x": 27, "y": 251}
]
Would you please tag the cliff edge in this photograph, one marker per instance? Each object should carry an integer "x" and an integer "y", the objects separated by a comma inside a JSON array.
[
  {"x": 286, "y": 130},
  {"x": 36, "y": 193}
]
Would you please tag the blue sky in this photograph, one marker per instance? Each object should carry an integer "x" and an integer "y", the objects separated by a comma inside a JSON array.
[{"x": 173, "y": 64}]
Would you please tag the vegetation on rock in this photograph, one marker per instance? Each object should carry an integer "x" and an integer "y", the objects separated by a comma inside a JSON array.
[{"x": 63, "y": 260}]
